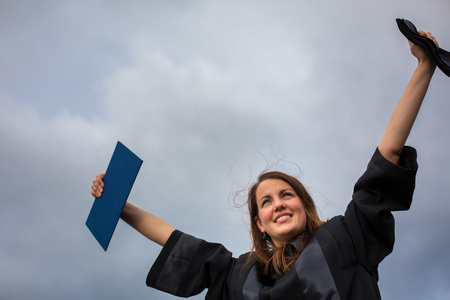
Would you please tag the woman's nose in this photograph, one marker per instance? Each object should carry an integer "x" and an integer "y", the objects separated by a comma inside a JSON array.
[{"x": 278, "y": 204}]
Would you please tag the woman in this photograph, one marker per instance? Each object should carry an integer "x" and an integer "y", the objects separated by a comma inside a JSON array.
[{"x": 294, "y": 254}]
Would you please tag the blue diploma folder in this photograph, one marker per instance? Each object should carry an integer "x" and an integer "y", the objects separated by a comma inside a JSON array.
[{"x": 119, "y": 179}]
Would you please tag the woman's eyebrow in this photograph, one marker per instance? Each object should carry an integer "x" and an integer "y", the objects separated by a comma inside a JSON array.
[{"x": 288, "y": 189}]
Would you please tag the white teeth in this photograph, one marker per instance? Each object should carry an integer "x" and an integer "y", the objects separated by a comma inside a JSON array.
[{"x": 283, "y": 217}]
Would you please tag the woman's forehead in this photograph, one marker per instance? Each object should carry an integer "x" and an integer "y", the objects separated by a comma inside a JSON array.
[{"x": 272, "y": 185}]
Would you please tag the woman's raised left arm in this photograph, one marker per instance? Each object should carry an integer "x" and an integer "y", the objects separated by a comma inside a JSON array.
[{"x": 408, "y": 107}]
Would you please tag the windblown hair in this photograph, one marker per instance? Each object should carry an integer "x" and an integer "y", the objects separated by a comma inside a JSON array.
[{"x": 280, "y": 259}]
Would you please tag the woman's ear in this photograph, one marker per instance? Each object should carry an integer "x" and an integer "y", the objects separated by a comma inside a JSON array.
[{"x": 258, "y": 223}]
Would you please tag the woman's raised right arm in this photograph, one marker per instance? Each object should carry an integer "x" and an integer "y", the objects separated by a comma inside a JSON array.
[{"x": 147, "y": 224}]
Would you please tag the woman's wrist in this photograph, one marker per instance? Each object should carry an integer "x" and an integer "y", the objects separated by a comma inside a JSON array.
[{"x": 426, "y": 67}]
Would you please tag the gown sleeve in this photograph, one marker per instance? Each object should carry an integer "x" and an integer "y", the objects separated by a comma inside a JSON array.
[
  {"x": 187, "y": 265},
  {"x": 384, "y": 187}
]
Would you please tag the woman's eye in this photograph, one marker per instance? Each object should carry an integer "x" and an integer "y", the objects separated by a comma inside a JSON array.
[
  {"x": 287, "y": 195},
  {"x": 265, "y": 202}
]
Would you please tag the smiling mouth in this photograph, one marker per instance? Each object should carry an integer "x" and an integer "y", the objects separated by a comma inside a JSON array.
[{"x": 284, "y": 217}]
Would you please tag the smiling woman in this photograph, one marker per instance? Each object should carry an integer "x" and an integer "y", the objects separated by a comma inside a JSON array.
[
  {"x": 282, "y": 209},
  {"x": 294, "y": 254}
]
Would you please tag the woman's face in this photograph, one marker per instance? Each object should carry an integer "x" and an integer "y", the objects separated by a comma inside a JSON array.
[{"x": 281, "y": 214}]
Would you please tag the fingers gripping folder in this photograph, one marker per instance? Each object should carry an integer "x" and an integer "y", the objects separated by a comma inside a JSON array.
[{"x": 119, "y": 179}]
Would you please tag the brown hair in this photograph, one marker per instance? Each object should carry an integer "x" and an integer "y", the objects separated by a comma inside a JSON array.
[{"x": 270, "y": 257}]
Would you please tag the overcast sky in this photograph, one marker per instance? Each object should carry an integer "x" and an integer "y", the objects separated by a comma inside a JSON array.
[{"x": 208, "y": 94}]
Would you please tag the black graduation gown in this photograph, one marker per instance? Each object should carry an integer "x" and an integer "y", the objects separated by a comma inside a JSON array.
[{"x": 339, "y": 262}]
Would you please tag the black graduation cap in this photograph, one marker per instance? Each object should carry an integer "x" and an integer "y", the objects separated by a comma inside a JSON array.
[{"x": 440, "y": 56}]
